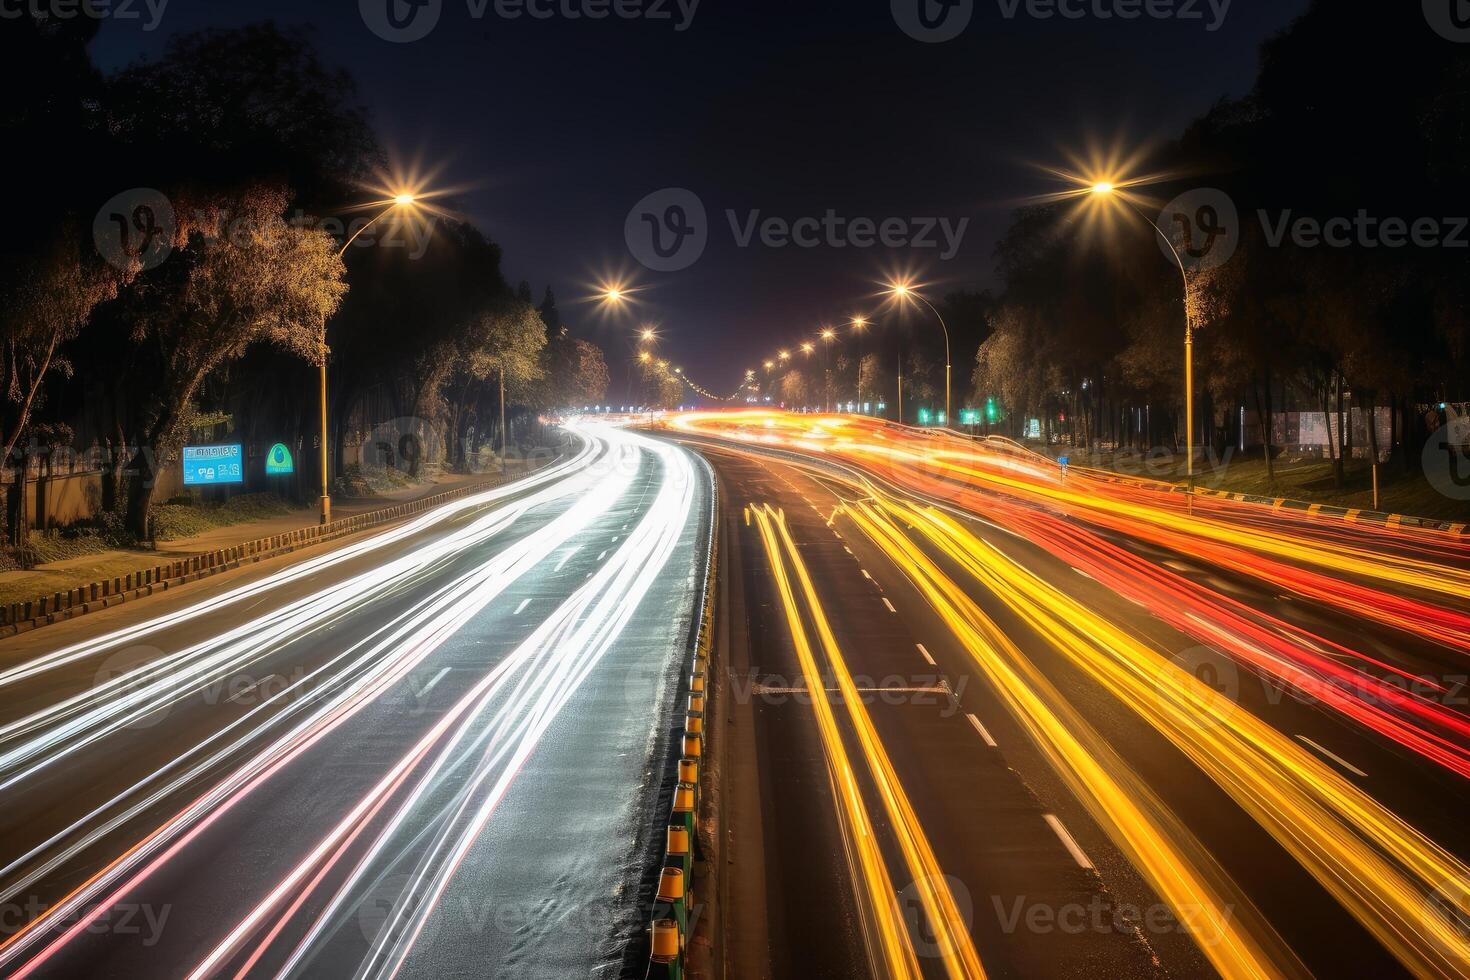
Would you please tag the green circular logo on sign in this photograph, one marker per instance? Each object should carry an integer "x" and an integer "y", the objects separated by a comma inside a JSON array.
[{"x": 279, "y": 460}]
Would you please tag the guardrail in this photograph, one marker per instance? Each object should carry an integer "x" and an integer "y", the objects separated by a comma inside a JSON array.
[
  {"x": 674, "y": 900},
  {"x": 20, "y": 617}
]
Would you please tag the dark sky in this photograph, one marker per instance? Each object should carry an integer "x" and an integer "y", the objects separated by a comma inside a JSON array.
[{"x": 555, "y": 128}]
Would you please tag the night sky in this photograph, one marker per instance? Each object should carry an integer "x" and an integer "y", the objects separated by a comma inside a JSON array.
[{"x": 551, "y": 130}]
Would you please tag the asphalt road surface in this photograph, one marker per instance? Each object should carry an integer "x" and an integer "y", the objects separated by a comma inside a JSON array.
[
  {"x": 428, "y": 752},
  {"x": 1008, "y": 781}
]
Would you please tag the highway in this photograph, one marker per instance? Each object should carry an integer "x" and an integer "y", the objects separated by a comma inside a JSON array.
[
  {"x": 425, "y": 752},
  {"x": 988, "y": 719}
]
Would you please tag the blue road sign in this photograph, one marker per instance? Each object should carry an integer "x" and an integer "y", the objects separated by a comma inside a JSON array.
[{"x": 204, "y": 465}]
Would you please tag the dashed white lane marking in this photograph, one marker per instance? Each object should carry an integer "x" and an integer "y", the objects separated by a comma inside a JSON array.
[
  {"x": 848, "y": 550},
  {"x": 926, "y": 654},
  {"x": 1068, "y": 841},
  {"x": 1083, "y": 574},
  {"x": 981, "y": 729},
  {"x": 567, "y": 557},
  {"x": 1334, "y": 757},
  {"x": 240, "y": 694},
  {"x": 524, "y": 603},
  {"x": 889, "y": 605},
  {"x": 615, "y": 538},
  {"x": 603, "y": 555},
  {"x": 865, "y": 574},
  {"x": 432, "y": 681}
]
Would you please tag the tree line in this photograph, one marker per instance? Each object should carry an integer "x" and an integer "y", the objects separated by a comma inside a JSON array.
[
  {"x": 1357, "y": 125},
  {"x": 177, "y": 256}
]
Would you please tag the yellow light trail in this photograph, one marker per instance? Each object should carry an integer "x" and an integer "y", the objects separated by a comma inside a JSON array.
[
  {"x": 1222, "y": 922},
  {"x": 952, "y": 935},
  {"x": 1377, "y": 866},
  {"x": 897, "y": 949}
]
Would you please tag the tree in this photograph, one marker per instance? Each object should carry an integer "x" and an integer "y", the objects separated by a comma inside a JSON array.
[
  {"x": 581, "y": 376},
  {"x": 510, "y": 340},
  {"x": 244, "y": 276},
  {"x": 795, "y": 389}
]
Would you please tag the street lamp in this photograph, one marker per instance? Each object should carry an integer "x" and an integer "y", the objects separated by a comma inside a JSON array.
[
  {"x": 828, "y": 335},
  {"x": 859, "y": 324},
  {"x": 1107, "y": 189},
  {"x": 906, "y": 293},
  {"x": 404, "y": 200}
]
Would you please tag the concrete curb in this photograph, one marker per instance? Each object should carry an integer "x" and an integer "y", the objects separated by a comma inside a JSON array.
[
  {"x": 1354, "y": 514},
  {"x": 21, "y": 617}
]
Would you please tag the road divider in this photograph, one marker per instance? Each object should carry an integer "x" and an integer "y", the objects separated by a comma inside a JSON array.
[{"x": 683, "y": 850}]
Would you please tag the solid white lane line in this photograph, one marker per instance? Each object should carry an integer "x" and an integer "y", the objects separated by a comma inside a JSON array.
[
  {"x": 1068, "y": 841},
  {"x": 524, "y": 603},
  {"x": 889, "y": 605},
  {"x": 981, "y": 729},
  {"x": 567, "y": 557},
  {"x": 1334, "y": 757},
  {"x": 926, "y": 654}
]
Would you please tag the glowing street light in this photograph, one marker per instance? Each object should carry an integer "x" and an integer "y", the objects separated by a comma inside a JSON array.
[
  {"x": 904, "y": 292},
  {"x": 402, "y": 200},
  {"x": 1107, "y": 189},
  {"x": 808, "y": 347},
  {"x": 784, "y": 355}
]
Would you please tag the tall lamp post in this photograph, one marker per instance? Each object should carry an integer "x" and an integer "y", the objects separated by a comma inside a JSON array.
[
  {"x": 399, "y": 201},
  {"x": 903, "y": 291},
  {"x": 1106, "y": 189},
  {"x": 859, "y": 324},
  {"x": 828, "y": 335}
]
